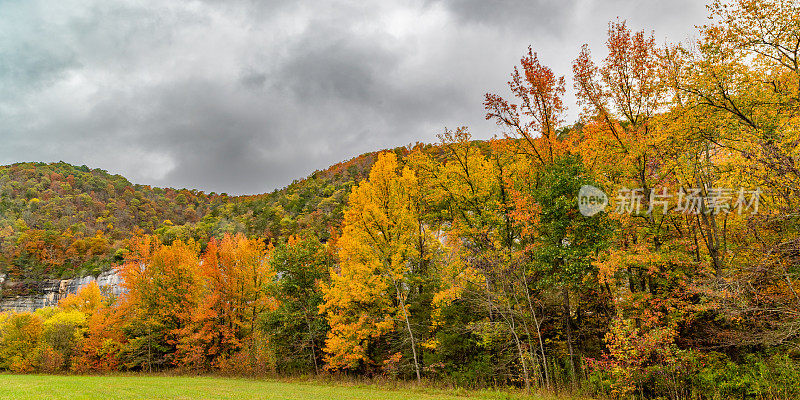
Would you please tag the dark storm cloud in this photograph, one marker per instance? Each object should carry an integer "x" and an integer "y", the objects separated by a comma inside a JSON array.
[{"x": 245, "y": 96}]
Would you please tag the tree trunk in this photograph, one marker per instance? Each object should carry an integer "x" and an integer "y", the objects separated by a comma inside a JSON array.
[
  {"x": 313, "y": 345},
  {"x": 410, "y": 333},
  {"x": 568, "y": 331},
  {"x": 521, "y": 356},
  {"x": 539, "y": 335}
]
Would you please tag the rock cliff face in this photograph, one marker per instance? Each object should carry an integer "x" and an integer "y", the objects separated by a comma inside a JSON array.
[{"x": 40, "y": 294}]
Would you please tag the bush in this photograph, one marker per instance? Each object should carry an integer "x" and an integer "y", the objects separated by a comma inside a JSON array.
[
  {"x": 702, "y": 376},
  {"x": 757, "y": 377},
  {"x": 46, "y": 359}
]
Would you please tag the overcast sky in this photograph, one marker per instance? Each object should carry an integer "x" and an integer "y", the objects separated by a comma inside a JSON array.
[{"x": 245, "y": 96}]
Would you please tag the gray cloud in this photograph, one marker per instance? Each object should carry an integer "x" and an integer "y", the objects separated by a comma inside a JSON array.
[
  {"x": 543, "y": 17},
  {"x": 245, "y": 96}
]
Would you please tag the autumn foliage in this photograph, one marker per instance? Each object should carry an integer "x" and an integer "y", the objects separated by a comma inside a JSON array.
[{"x": 470, "y": 262}]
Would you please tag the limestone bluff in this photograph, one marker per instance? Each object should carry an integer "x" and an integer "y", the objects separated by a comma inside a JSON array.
[{"x": 21, "y": 296}]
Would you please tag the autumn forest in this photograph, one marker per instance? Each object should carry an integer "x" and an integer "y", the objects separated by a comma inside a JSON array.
[{"x": 466, "y": 262}]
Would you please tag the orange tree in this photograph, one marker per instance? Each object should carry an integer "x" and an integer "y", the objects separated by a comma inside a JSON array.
[
  {"x": 162, "y": 286},
  {"x": 221, "y": 328}
]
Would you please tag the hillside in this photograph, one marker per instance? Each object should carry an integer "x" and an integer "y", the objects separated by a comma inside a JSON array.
[
  {"x": 62, "y": 220},
  {"x": 59, "y": 220}
]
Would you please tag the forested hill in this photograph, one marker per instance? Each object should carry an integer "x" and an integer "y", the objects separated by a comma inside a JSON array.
[
  {"x": 59, "y": 220},
  {"x": 62, "y": 220}
]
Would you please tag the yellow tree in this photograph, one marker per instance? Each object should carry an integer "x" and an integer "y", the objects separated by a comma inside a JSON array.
[
  {"x": 371, "y": 289},
  {"x": 472, "y": 186},
  {"x": 738, "y": 91},
  {"x": 87, "y": 300},
  {"x": 621, "y": 140}
]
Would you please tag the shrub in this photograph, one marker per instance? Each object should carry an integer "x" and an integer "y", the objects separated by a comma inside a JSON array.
[{"x": 19, "y": 336}]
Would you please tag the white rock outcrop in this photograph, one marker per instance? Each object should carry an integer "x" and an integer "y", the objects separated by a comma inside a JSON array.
[{"x": 48, "y": 293}]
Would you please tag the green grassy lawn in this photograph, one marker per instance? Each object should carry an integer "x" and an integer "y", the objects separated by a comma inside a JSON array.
[{"x": 20, "y": 387}]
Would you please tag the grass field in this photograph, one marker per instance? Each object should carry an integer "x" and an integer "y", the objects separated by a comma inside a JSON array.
[{"x": 21, "y": 387}]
